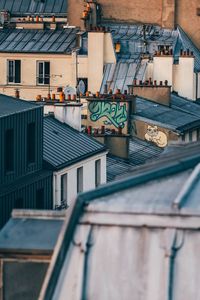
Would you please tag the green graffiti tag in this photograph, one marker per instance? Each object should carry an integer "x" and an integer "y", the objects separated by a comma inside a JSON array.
[{"x": 114, "y": 112}]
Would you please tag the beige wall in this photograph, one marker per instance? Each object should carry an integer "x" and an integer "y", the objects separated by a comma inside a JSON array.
[
  {"x": 100, "y": 51},
  {"x": 186, "y": 17},
  {"x": 155, "y": 11},
  {"x": 184, "y": 78},
  {"x": 163, "y": 68},
  {"x": 59, "y": 65}
]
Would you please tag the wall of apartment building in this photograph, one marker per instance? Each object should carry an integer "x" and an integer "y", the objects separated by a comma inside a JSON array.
[
  {"x": 166, "y": 13},
  {"x": 71, "y": 178},
  {"x": 155, "y": 11},
  {"x": 61, "y": 74},
  {"x": 188, "y": 17}
]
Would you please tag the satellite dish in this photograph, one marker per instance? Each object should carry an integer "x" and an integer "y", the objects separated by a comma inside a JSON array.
[
  {"x": 69, "y": 90},
  {"x": 81, "y": 87}
]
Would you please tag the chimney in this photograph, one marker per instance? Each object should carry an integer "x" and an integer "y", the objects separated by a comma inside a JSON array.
[{"x": 163, "y": 68}]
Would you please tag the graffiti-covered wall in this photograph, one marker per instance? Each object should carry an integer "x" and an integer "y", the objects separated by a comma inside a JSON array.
[{"x": 111, "y": 114}]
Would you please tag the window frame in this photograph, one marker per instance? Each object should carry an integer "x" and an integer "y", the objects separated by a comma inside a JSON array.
[
  {"x": 79, "y": 175},
  {"x": 44, "y": 76},
  {"x": 14, "y": 72}
]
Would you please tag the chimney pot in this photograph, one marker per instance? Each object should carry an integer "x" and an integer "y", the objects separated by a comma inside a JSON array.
[
  {"x": 120, "y": 130},
  {"x": 97, "y": 94},
  {"x": 102, "y": 129},
  {"x": 155, "y": 82},
  {"x": 17, "y": 94},
  {"x": 48, "y": 96},
  {"x": 69, "y": 97},
  {"x": 110, "y": 92},
  {"x": 53, "y": 97},
  {"x": 166, "y": 82},
  {"x": 161, "y": 83}
]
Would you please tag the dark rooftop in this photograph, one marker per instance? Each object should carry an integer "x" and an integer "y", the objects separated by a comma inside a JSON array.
[
  {"x": 167, "y": 117},
  {"x": 31, "y": 232},
  {"x": 185, "y": 105},
  {"x": 26, "y": 7},
  {"x": 139, "y": 153},
  {"x": 38, "y": 41},
  {"x": 10, "y": 105},
  {"x": 64, "y": 146}
]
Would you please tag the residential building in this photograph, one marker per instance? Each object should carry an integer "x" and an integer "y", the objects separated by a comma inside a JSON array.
[
  {"x": 27, "y": 242},
  {"x": 165, "y": 13},
  {"x": 78, "y": 162},
  {"x": 140, "y": 233},
  {"x": 24, "y": 183},
  {"x": 36, "y": 61}
]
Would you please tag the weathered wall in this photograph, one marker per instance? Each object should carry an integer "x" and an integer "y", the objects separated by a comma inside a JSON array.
[
  {"x": 166, "y": 13},
  {"x": 155, "y": 11},
  {"x": 186, "y": 17}
]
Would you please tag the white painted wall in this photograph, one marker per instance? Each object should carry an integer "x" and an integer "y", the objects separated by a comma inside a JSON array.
[
  {"x": 69, "y": 114},
  {"x": 163, "y": 68},
  {"x": 88, "y": 178},
  {"x": 100, "y": 51},
  {"x": 184, "y": 78}
]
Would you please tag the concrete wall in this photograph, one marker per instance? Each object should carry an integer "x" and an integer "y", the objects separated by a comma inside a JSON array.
[
  {"x": 184, "y": 78},
  {"x": 100, "y": 52},
  {"x": 88, "y": 178},
  {"x": 155, "y": 11},
  {"x": 187, "y": 18},
  {"x": 60, "y": 65},
  {"x": 158, "y": 94},
  {"x": 163, "y": 68}
]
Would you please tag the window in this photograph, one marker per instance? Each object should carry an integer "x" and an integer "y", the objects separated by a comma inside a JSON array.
[
  {"x": 40, "y": 199},
  {"x": 9, "y": 150},
  {"x": 97, "y": 172},
  {"x": 64, "y": 191},
  {"x": 43, "y": 72},
  {"x": 80, "y": 180},
  {"x": 19, "y": 203},
  {"x": 14, "y": 71},
  {"x": 31, "y": 143}
]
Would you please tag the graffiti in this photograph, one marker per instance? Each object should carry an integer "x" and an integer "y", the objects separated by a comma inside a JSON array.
[
  {"x": 157, "y": 137},
  {"x": 115, "y": 113}
]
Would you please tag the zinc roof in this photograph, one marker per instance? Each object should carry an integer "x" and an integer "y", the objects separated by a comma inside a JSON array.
[
  {"x": 64, "y": 146},
  {"x": 38, "y": 41},
  {"x": 25, "y": 7}
]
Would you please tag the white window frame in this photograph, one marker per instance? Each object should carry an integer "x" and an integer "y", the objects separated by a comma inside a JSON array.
[{"x": 37, "y": 75}]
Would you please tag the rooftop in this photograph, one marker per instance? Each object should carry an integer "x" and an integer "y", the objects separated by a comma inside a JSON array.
[
  {"x": 167, "y": 117},
  {"x": 64, "y": 146},
  {"x": 29, "y": 7},
  {"x": 31, "y": 232},
  {"x": 57, "y": 41},
  {"x": 140, "y": 152},
  {"x": 185, "y": 105},
  {"x": 139, "y": 227},
  {"x": 129, "y": 61},
  {"x": 10, "y": 105}
]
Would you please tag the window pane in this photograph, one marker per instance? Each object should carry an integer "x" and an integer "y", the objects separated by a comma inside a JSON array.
[
  {"x": 19, "y": 203},
  {"x": 9, "y": 150},
  {"x": 47, "y": 72},
  {"x": 31, "y": 143},
  {"x": 11, "y": 71},
  {"x": 97, "y": 172},
  {"x": 40, "y": 199},
  {"x": 64, "y": 191},
  {"x": 41, "y": 73},
  {"x": 79, "y": 180},
  {"x": 17, "y": 71}
]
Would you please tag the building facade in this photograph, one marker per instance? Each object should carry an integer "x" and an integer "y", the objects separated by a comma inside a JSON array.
[{"x": 23, "y": 181}]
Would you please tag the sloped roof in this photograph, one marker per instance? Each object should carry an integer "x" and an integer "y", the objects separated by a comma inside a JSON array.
[
  {"x": 137, "y": 236},
  {"x": 64, "y": 146},
  {"x": 185, "y": 105},
  {"x": 184, "y": 42},
  {"x": 31, "y": 232},
  {"x": 10, "y": 105},
  {"x": 167, "y": 117},
  {"x": 38, "y": 41},
  {"x": 27, "y": 7},
  {"x": 139, "y": 153}
]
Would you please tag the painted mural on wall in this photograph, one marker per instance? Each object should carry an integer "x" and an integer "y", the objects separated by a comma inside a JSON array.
[
  {"x": 156, "y": 136},
  {"x": 111, "y": 113}
]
